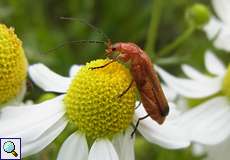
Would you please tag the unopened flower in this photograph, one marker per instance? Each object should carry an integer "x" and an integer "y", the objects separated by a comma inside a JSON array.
[
  {"x": 13, "y": 67},
  {"x": 90, "y": 102},
  {"x": 198, "y": 15}
]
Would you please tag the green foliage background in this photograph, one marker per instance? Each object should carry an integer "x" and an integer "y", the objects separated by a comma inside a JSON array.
[{"x": 39, "y": 26}]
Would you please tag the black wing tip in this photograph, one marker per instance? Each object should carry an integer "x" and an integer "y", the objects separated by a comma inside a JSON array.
[{"x": 165, "y": 112}]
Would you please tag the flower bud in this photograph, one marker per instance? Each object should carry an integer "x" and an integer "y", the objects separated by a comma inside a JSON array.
[{"x": 197, "y": 15}]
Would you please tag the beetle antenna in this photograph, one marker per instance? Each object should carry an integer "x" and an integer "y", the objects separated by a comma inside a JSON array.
[
  {"x": 88, "y": 24},
  {"x": 76, "y": 42}
]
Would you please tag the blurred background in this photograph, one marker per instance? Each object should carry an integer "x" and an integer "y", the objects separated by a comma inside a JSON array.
[{"x": 38, "y": 25}]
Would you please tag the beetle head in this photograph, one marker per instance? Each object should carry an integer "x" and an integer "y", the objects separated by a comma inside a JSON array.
[{"x": 111, "y": 48}]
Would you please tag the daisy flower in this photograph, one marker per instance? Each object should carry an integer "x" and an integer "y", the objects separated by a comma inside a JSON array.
[
  {"x": 13, "y": 67},
  {"x": 89, "y": 101},
  {"x": 219, "y": 28},
  {"x": 214, "y": 88},
  {"x": 199, "y": 85}
]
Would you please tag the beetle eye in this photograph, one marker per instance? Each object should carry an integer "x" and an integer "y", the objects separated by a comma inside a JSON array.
[{"x": 113, "y": 49}]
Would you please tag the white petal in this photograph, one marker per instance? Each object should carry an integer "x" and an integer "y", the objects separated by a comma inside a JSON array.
[
  {"x": 207, "y": 123},
  {"x": 31, "y": 121},
  {"x": 213, "y": 64},
  {"x": 124, "y": 145},
  {"x": 219, "y": 32},
  {"x": 47, "y": 79},
  {"x": 174, "y": 111},
  {"x": 194, "y": 74},
  {"x": 223, "y": 38},
  {"x": 165, "y": 135},
  {"x": 75, "y": 147},
  {"x": 191, "y": 88},
  {"x": 169, "y": 93},
  {"x": 222, "y": 8},
  {"x": 102, "y": 150},
  {"x": 213, "y": 28},
  {"x": 74, "y": 69},
  {"x": 30, "y": 148},
  {"x": 182, "y": 104}
]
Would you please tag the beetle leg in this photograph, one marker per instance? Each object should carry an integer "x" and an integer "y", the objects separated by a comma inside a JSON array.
[
  {"x": 138, "y": 121},
  {"x": 138, "y": 105},
  {"x": 113, "y": 60},
  {"x": 29, "y": 85},
  {"x": 126, "y": 90}
]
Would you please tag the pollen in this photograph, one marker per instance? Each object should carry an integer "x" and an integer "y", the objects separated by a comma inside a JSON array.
[
  {"x": 226, "y": 83},
  {"x": 93, "y": 101},
  {"x": 13, "y": 64}
]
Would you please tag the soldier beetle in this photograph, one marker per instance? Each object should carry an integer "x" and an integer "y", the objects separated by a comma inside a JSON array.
[{"x": 145, "y": 78}]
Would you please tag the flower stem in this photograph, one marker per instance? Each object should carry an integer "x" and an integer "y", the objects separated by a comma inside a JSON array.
[
  {"x": 179, "y": 40},
  {"x": 153, "y": 27}
]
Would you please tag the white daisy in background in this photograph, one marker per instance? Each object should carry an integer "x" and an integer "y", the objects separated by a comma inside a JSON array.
[
  {"x": 214, "y": 87},
  {"x": 219, "y": 28},
  {"x": 90, "y": 102},
  {"x": 13, "y": 68}
]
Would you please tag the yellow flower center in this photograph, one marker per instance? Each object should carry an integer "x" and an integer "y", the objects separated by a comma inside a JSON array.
[
  {"x": 226, "y": 83},
  {"x": 13, "y": 64},
  {"x": 92, "y": 101}
]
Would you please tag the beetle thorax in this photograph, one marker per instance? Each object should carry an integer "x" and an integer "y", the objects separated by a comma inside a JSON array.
[{"x": 128, "y": 48}]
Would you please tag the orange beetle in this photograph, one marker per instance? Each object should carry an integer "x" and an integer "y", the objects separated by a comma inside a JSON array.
[{"x": 145, "y": 77}]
